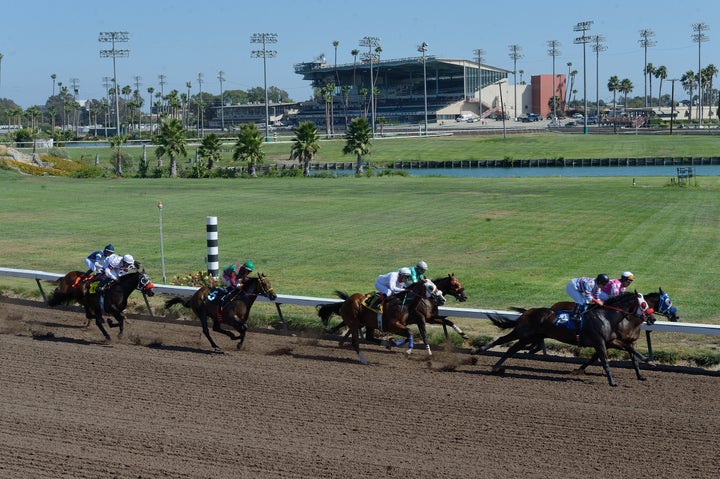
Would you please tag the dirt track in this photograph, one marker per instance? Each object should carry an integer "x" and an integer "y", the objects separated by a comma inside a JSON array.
[{"x": 158, "y": 404}]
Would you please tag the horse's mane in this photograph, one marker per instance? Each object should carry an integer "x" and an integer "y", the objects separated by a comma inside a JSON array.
[{"x": 620, "y": 299}]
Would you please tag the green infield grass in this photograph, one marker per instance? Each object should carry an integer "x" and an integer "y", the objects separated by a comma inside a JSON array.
[{"x": 511, "y": 241}]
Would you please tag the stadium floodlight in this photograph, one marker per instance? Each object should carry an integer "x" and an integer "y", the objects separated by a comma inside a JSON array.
[
  {"x": 115, "y": 37},
  {"x": 265, "y": 38},
  {"x": 422, "y": 48},
  {"x": 584, "y": 39},
  {"x": 372, "y": 57}
]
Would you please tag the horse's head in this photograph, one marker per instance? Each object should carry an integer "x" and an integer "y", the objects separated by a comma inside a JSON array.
[
  {"x": 144, "y": 283},
  {"x": 452, "y": 286},
  {"x": 663, "y": 305},
  {"x": 265, "y": 287},
  {"x": 631, "y": 304},
  {"x": 428, "y": 290}
]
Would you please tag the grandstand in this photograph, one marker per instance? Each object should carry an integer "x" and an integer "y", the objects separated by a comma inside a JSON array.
[{"x": 452, "y": 88}]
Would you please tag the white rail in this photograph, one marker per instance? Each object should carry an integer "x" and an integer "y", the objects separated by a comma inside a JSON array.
[{"x": 660, "y": 326}]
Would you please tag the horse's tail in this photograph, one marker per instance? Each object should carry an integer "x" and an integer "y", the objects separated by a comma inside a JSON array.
[
  {"x": 502, "y": 321},
  {"x": 519, "y": 310},
  {"x": 341, "y": 294},
  {"x": 325, "y": 311},
  {"x": 176, "y": 300},
  {"x": 58, "y": 298}
]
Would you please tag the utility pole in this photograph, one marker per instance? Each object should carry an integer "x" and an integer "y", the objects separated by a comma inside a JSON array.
[
  {"x": 480, "y": 58},
  {"x": 221, "y": 77}
]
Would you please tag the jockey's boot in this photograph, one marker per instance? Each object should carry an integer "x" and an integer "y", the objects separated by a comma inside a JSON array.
[
  {"x": 576, "y": 318},
  {"x": 377, "y": 302}
]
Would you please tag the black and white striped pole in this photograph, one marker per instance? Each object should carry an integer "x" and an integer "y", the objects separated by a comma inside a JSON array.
[{"x": 213, "y": 265}]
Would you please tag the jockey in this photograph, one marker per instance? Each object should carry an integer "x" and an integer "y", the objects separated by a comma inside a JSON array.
[
  {"x": 391, "y": 283},
  {"x": 618, "y": 286},
  {"x": 95, "y": 260},
  {"x": 116, "y": 266},
  {"x": 432, "y": 291},
  {"x": 417, "y": 272},
  {"x": 235, "y": 276},
  {"x": 585, "y": 291}
]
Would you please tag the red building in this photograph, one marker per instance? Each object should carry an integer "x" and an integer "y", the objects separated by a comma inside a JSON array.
[{"x": 542, "y": 91}]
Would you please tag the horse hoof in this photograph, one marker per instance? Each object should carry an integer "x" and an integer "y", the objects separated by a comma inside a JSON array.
[
  {"x": 362, "y": 358},
  {"x": 577, "y": 372},
  {"x": 498, "y": 371},
  {"x": 642, "y": 378},
  {"x": 408, "y": 352},
  {"x": 217, "y": 350}
]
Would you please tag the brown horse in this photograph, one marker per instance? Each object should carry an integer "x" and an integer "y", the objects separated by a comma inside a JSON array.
[
  {"x": 411, "y": 305},
  {"x": 628, "y": 333},
  {"x": 113, "y": 300},
  {"x": 70, "y": 289},
  {"x": 234, "y": 312},
  {"x": 601, "y": 326}
]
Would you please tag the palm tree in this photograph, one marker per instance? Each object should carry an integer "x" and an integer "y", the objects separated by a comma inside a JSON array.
[
  {"x": 305, "y": 146},
  {"x": 327, "y": 94},
  {"x": 650, "y": 71},
  {"x": 249, "y": 147},
  {"x": 346, "y": 100},
  {"x": 688, "y": 83},
  {"x": 364, "y": 93},
  {"x": 660, "y": 73},
  {"x": 354, "y": 52},
  {"x": 626, "y": 87},
  {"x": 573, "y": 74},
  {"x": 567, "y": 89},
  {"x": 53, "y": 76},
  {"x": 117, "y": 142},
  {"x": 708, "y": 73},
  {"x": 150, "y": 91},
  {"x": 171, "y": 141},
  {"x": 613, "y": 85},
  {"x": 210, "y": 149},
  {"x": 357, "y": 141}
]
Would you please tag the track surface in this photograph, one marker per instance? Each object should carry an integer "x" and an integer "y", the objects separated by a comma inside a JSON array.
[{"x": 158, "y": 404}]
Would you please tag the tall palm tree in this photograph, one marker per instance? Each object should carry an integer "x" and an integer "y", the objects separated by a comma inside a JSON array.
[
  {"x": 53, "y": 77},
  {"x": 345, "y": 89},
  {"x": 116, "y": 142},
  {"x": 708, "y": 73},
  {"x": 567, "y": 86},
  {"x": 354, "y": 52},
  {"x": 150, "y": 91},
  {"x": 650, "y": 71},
  {"x": 688, "y": 83},
  {"x": 306, "y": 145},
  {"x": 327, "y": 94},
  {"x": 357, "y": 141},
  {"x": 171, "y": 141},
  {"x": 626, "y": 87},
  {"x": 661, "y": 74},
  {"x": 248, "y": 147},
  {"x": 613, "y": 85},
  {"x": 571, "y": 90}
]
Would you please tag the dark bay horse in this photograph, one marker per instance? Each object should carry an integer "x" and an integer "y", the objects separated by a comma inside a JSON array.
[
  {"x": 600, "y": 328},
  {"x": 399, "y": 310},
  {"x": 628, "y": 333},
  {"x": 114, "y": 299},
  {"x": 234, "y": 312},
  {"x": 70, "y": 289}
]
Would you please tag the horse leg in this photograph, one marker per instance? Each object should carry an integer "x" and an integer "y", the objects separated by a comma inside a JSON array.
[
  {"x": 423, "y": 335},
  {"x": 581, "y": 369},
  {"x": 446, "y": 323},
  {"x": 511, "y": 336},
  {"x": 99, "y": 322},
  {"x": 355, "y": 332},
  {"x": 206, "y": 332},
  {"x": 635, "y": 364},
  {"x": 601, "y": 351},
  {"x": 511, "y": 350},
  {"x": 243, "y": 330}
]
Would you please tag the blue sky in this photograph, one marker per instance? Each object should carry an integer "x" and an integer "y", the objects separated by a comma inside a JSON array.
[{"x": 181, "y": 39}]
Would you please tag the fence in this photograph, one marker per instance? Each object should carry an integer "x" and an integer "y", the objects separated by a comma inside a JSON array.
[{"x": 470, "y": 313}]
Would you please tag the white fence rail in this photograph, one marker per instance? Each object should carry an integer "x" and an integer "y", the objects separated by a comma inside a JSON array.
[{"x": 661, "y": 326}]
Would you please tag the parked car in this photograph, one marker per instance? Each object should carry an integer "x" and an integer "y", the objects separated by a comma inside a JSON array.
[
  {"x": 533, "y": 117},
  {"x": 571, "y": 123}
]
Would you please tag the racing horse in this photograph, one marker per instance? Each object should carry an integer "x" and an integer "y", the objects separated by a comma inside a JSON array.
[
  {"x": 449, "y": 285},
  {"x": 411, "y": 305},
  {"x": 661, "y": 304},
  {"x": 70, "y": 289},
  {"x": 601, "y": 327},
  {"x": 113, "y": 300},
  {"x": 234, "y": 312}
]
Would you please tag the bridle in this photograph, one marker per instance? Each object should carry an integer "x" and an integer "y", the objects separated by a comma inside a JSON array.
[{"x": 642, "y": 309}]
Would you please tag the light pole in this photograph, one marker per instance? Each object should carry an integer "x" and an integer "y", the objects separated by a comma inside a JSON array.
[
  {"x": 221, "y": 77},
  {"x": 515, "y": 56},
  {"x": 162, "y": 249},
  {"x": 201, "y": 106},
  {"x": 645, "y": 42},
  {"x": 1, "y": 57},
  {"x": 371, "y": 42},
  {"x": 554, "y": 52},
  {"x": 423, "y": 48},
  {"x": 479, "y": 57},
  {"x": 700, "y": 37},
  {"x": 584, "y": 39},
  {"x": 672, "y": 103},
  {"x": 114, "y": 37},
  {"x": 597, "y": 48},
  {"x": 265, "y": 38}
]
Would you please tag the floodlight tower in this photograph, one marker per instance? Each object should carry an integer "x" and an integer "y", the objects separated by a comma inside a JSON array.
[
  {"x": 265, "y": 38},
  {"x": 370, "y": 56},
  {"x": 598, "y": 47},
  {"x": 422, "y": 48},
  {"x": 700, "y": 37},
  {"x": 584, "y": 39},
  {"x": 646, "y": 41},
  {"x": 479, "y": 57},
  {"x": 515, "y": 55},
  {"x": 554, "y": 52},
  {"x": 115, "y": 37}
]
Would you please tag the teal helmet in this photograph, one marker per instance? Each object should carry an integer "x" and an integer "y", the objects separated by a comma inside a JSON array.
[
  {"x": 249, "y": 265},
  {"x": 109, "y": 249}
]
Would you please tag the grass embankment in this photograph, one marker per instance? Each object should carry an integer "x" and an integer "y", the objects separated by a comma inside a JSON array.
[{"x": 511, "y": 242}]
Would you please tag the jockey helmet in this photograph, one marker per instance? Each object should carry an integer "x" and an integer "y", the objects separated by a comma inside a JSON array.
[
  {"x": 404, "y": 272},
  {"x": 249, "y": 265},
  {"x": 128, "y": 259},
  {"x": 602, "y": 279},
  {"x": 108, "y": 250},
  {"x": 627, "y": 275},
  {"x": 421, "y": 265}
]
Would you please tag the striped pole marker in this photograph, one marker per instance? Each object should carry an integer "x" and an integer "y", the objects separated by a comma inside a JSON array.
[{"x": 213, "y": 265}]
